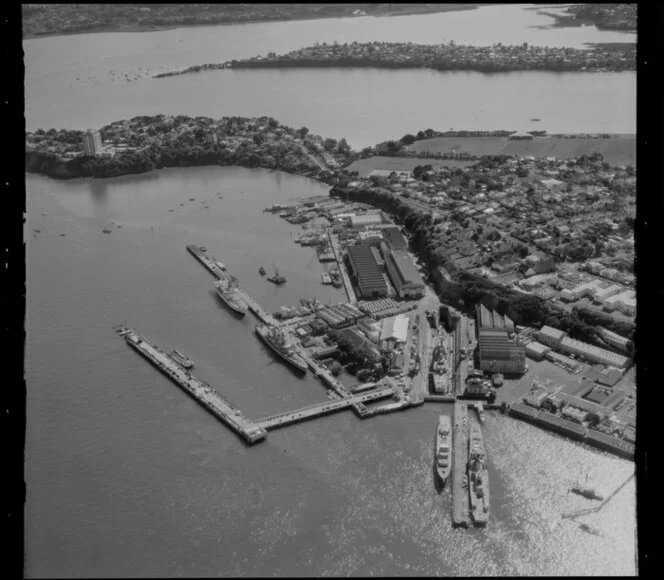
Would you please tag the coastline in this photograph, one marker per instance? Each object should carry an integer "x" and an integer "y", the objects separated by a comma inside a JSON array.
[{"x": 136, "y": 28}]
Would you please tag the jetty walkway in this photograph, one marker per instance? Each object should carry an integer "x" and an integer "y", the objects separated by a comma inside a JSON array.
[
  {"x": 200, "y": 390},
  {"x": 591, "y": 510},
  {"x": 336, "y": 249},
  {"x": 460, "y": 500},
  {"x": 319, "y": 409}
]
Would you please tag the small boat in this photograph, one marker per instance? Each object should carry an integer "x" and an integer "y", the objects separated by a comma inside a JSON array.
[
  {"x": 261, "y": 271},
  {"x": 278, "y": 278},
  {"x": 536, "y": 120},
  {"x": 183, "y": 360},
  {"x": 107, "y": 230},
  {"x": 589, "y": 529}
]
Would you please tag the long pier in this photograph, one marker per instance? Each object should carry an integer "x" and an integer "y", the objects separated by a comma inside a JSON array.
[
  {"x": 594, "y": 509},
  {"x": 460, "y": 500},
  {"x": 201, "y": 391},
  {"x": 319, "y": 409},
  {"x": 209, "y": 262},
  {"x": 256, "y": 309},
  {"x": 334, "y": 243}
]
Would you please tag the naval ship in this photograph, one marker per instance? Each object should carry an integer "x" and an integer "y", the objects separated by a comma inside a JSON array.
[
  {"x": 478, "y": 477},
  {"x": 276, "y": 340},
  {"x": 443, "y": 448},
  {"x": 229, "y": 297}
]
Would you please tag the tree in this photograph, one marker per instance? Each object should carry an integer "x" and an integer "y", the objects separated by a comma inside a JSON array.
[
  {"x": 343, "y": 146},
  {"x": 408, "y": 139},
  {"x": 303, "y": 132},
  {"x": 329, "y": 144}
]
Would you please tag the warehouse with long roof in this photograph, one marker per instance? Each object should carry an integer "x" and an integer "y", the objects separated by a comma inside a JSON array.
[{"x": 366, "y": 272}]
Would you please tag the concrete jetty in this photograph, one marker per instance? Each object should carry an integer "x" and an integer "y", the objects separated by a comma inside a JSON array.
[
  {"x": 591, "y": 510},
  {"x": 460, "y": 499},
  {"x": 209, "y": 262},
  {"x": 200, "y": 390},
  {"x": 336, "y": 249},
  {"x": 319, "y": 409},
  {"x": 256, "y": 309},
  {"x": 439, "y": 398}
]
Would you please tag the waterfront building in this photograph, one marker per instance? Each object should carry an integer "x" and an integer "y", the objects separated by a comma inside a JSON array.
[
  {"x": 362, "y": 220},
  {"x": 92, "y": 142},
  {"x": 366, "y": 272},
  {"x": 536, "y": 350},
  {"x": 488, "y": 319},
  {"x": 620, "y": 343},
  {"x": 501, "y": 352},
  {"x": 550, "y": 336},
  {"x": 593, "y": 353},
  {"x": 403, "y": 274},
  {"x": 395, "y": 328},
  {"x": 395, "y": 238}
]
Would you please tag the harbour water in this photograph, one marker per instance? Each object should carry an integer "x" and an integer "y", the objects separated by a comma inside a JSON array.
[
  {"x": 127, "y": 475},
  {"x": 89, "y": 80}
]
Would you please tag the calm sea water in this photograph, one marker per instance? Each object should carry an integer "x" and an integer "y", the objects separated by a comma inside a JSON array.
[
  {"x": 89, "y": 80},
  {"x": 126, "y": 475}
]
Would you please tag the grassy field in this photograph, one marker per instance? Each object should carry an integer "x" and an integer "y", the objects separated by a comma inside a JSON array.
[
  {"x": 620, "y": 150},
  {"x": 366, "y": 166}
]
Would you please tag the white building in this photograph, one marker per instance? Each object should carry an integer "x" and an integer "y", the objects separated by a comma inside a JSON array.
[
  {"x": 92, "y": 142},
  {"x": 593, "y": 353}
]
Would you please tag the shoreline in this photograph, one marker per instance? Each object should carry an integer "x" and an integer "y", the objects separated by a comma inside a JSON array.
[{"x": 138, "y": 28}]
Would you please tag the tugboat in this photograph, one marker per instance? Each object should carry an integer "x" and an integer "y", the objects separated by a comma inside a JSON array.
[
  {"x": 590, "y": 529},
  {"x": 261, "y": 271},
  {"x": 587, "y": 492},
  {"x": 278, "y": 278}
]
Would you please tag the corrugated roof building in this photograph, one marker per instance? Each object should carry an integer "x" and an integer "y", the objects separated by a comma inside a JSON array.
[
  {"x": 366, "y": 272},
  {"x": 594, "y": 353},
  {"x": 550, "y": 336},
  {"x": 403, "y": 274}
]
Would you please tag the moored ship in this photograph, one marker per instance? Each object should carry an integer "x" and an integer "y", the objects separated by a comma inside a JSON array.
[
  {"x": 278, "y": 278},
  {"x": 276, "y": 340},
  {"x": 478, "y": 477},
  {"x": 443, "y": 448},
  {"x": 183, "y": 360},
  {"x": 230, "y": 297}
]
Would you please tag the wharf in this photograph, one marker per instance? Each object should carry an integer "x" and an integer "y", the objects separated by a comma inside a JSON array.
[
  {"x": 256, "y": 309},
  {"x": 313, "y": 411},
  {"x": 439, "y": 398},
  {"x": 201, "y": 391},
  {"x": 334, "y": 243},
  {"x": 209, "y": 262},
  {"x": 460, "y": 499}
]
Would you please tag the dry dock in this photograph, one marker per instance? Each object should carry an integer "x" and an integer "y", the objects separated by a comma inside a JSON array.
[
  {"x": 460, "y": 501},
  {"x": 334, "y": 242},
  {"x": 313, "y": 411},
  {"x": 201, "y": 391}
]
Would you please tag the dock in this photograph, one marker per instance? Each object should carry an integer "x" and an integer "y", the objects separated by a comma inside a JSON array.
[
  {"x": 206, "y": 395},
  {"x": 439, "y": 398},
  {"x": 336, "y": 249},
  {"x": 460, "y": 499},
  {"x": 209, "y": 262},
  {"x": 319, "y": 409},
  {"x": 256, "y": 309}
]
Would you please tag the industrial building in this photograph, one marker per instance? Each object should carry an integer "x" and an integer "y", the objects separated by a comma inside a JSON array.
[
  {"x": 340, "y": 315},
  {"x": 550, "y": 336},
  {"x": 362, "y": 220},
  {"x": 488, "y": 319},
  {"x": 366, "y": 273},
  {"x": 404, "y": 275},
  {"x": 536, "y": 350},
  {"x": 92, "y": 142},
  {"x": 394, "y": 238},
  {"x": 624, "y": 345},
  {"x": 500, "y": 352},
  {"x": 593, "y": 353},
  {"x": 395, "y": 328}
]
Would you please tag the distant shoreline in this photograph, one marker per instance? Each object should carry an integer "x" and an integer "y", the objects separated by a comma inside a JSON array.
[{"x": 434, "y": 9}]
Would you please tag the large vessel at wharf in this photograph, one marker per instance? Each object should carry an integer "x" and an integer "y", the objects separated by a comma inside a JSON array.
[
  {"x": 276, "y": 340},
  {"x": 443, "y": 448},
  {"x": 229, "y": 296},
  {"x": 478, "y": 477}
]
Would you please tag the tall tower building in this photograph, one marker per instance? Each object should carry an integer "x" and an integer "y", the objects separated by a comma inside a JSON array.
[{"x": 91, "y": 142}]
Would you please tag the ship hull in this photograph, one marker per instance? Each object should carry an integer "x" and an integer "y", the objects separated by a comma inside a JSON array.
[
  {"x": 234, "y": 308},
  {"x": 477, "y": 472},
  {"x": 443, "y": 471},
  {"x": 300, "y": 367}
]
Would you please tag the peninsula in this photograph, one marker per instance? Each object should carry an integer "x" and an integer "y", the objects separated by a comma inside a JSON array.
[
  {"x": 56, "y": 19},
  {"x": 475, "y": 222},
  {"x": 442, "y": 57}
]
